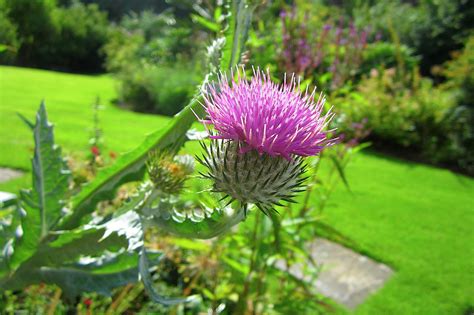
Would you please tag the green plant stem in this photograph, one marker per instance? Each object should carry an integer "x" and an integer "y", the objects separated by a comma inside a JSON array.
[{"x": 242, "y": 304}]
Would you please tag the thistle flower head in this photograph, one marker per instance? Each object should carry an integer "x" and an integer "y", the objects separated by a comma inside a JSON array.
[
  {"x": 262, "y": 132},
  {"x": 278, "y": 120}
]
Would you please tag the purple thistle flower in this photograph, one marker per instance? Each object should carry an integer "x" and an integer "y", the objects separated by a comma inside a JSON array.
[
  {"x": 262, "y": 133},
  {"x": 278, "y": 120}
]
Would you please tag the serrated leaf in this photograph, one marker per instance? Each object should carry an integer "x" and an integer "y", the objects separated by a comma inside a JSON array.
[
  {"x": 113, "y": 262},
  {"x": 44, "y": 203},
  {"x": 26, "y": 121},
  {"x": 67, "y": 247},
  {"x": 9, "y": 224}
]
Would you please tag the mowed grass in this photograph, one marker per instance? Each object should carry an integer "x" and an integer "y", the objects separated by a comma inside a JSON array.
[
  {"x": 417, "y": 219},
  {"x": 69, "y": 100}
]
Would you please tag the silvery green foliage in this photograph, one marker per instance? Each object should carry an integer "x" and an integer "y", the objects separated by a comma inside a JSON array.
[
  {"x": 236, "y": 33},
  {"x": 45, "y": 202},
  {"x": 44, "y": 254},
  {"x": 205, "y": 219},
  {"x": 214, "y": 53}
]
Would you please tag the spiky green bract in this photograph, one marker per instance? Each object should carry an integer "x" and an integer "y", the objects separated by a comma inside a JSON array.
[
  {"x": 252, "y": 177},
  {"x": 168, "y": 173}
]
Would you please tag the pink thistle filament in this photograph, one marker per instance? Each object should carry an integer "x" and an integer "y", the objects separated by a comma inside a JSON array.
[{"x": 276, "y": 119}]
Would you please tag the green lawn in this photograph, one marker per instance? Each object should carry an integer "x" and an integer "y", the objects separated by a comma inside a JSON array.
[
  {"x": 417, "y": 219},
  {"x": 69, "y": 99}
]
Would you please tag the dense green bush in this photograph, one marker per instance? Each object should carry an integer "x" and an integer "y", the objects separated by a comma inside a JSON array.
[
  {"x": 119, "y": 8},
  {"x": 9, "y": 41},
  {"x": 81, "y": 32},
  {"x": 151, "y": 56},
  {"x": 387, "y": 55},
  {"x": 407, "y": 111},
  {"x": 158, "y": 89},
  {"x": 431, "y": 28},
  {"x": 460, "y": 83},
  {"x": 397, "y": 114},
  {"x": 35, "y": 26},
  {"x": 156, "y": 38},
  {"x": 460, "y": 74},
  {"x": 64, "y": 38}
]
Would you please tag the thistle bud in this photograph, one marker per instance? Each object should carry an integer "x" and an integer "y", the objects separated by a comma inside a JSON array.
[{"x": 168, "y": 173}]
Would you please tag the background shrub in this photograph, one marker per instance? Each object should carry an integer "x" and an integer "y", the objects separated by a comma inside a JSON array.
[
  {"x": 158, "y": 89},
  {"x": 9, "y": 42},
  {"x": 60, "y": 38},
  {"x": 152, "y": 58},
  {"x": 36, "y": 28},
  {"x": 460, "y": 74},
  {"x": 460, "y": 83},
  {"x": 388, "y": 55},
  {"x": 81, "y": 32},
  {"x": 396, "y": 114},
  {"x": 432, "y": 28}
]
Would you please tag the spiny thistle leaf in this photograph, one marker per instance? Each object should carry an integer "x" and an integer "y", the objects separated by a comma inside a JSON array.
[{"x": 44, "y": 203}]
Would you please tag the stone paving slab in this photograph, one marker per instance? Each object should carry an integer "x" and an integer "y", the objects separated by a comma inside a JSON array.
[
  {"x": 7, "y": 173},
  {"x": 345, "y": 276}
]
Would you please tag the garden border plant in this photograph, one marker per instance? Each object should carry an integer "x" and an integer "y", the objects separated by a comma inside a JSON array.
[{"x": 53, "y": 235}]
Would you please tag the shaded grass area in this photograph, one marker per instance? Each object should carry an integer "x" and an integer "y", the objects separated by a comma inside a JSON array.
[{"x": 417, "y": 219}]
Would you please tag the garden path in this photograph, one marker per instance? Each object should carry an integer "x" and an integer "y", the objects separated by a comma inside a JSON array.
[
  {"x": 345, "y": 276},
  {"x": 7, "y": 173}
]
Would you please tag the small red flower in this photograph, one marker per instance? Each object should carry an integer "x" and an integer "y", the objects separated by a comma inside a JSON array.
[
  {"x": 95, "y": 150},
  {"x": 88, "y": 302}
]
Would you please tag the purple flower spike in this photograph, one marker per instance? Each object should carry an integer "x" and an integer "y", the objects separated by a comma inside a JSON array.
[{"x": 278, "y": 120}]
